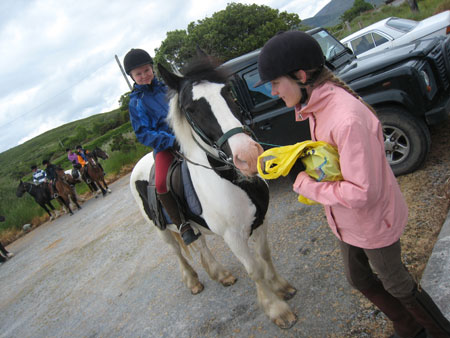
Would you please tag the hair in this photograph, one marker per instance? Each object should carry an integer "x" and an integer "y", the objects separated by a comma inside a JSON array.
[{"x": 326, "y": 75}]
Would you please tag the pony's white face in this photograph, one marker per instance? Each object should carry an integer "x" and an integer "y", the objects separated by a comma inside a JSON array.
[
  {"x": 203, "y": 111},
  {"x": 217, "y": 117}
]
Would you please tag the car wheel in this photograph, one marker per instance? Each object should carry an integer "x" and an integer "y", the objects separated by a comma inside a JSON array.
[{"x": 407, "y": 139}]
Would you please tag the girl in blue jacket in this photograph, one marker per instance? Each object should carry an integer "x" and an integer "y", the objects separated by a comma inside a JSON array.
[{"x": 148, "y": 112}]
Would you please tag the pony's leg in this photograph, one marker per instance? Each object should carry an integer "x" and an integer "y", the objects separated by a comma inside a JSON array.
[
  {"x": 189, "y": 276},
  {"x": 104, "y": 192},
  {"x": 278, "y": 283},
  {"x": 73, "y": 196},
  {"x": 66, "y": 204},
  {"x": 106, "y": 186},
  {"x": 46, "y": 210},
  {"x": 273, "y": 305},
  {"x": 75, "y": 199},
  {"x": 214, "y": 269}
]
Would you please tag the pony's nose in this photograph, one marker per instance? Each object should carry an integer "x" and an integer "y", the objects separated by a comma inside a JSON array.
[{"x": 246, "y": 159}]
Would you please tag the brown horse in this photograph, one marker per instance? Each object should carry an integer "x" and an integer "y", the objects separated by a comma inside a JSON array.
[
  {"x": 65, "y": 190},
  {"x": 95, "y": 171}
]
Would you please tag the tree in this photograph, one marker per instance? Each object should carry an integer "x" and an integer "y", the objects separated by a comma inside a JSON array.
[
  {"x": 359, "y": 6},
  {"x": 234, "y": 31}
]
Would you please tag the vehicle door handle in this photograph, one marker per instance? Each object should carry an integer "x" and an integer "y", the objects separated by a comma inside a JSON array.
[{"x": 265, "y": 127}]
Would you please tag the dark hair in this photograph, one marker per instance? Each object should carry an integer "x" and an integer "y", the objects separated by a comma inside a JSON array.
[
  {"x": 33, "y": 167},
  {"x": 44, "y": 162}
]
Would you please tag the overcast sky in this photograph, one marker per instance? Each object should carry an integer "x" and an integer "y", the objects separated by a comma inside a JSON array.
[{"x": 57, "y": 56}]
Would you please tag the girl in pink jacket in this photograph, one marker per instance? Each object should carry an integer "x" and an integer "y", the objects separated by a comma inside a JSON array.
[{"x": 366, "y": 210}]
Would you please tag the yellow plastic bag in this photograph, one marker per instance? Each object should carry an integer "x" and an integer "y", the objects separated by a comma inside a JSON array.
[{"x": 320, "y": 159}]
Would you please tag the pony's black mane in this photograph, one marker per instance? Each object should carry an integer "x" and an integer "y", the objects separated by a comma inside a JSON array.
[{"x": 204, "y": 68}]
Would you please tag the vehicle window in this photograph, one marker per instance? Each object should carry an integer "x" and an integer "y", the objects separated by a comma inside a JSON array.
[
  {"x": 403, "y": 25},
  {"x": 260, "y": 94},
  {"x": 379, "y": 39},
  {"x": 363, "y": 44},
  {"x": 330, "y": 46}
]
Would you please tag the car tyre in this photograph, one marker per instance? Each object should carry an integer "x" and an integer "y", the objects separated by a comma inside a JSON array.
[{"x": 407, "y": 139}]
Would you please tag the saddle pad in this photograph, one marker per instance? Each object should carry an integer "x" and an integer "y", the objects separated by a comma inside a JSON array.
[{"x": 189, "y": 192}]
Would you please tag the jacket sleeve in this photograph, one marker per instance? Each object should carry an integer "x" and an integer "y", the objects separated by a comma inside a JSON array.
[
  {"x": 146, "y": 133},
  {"x": 361, "y": 166}
]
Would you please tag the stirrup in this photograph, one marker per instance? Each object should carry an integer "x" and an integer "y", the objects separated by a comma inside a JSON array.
[{"x": 188, "y": 234}]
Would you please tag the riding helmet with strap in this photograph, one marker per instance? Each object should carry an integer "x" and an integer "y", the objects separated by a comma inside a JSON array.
[
  {"x": 287, "y": 52},
  {"x": 135, "y": 58}
]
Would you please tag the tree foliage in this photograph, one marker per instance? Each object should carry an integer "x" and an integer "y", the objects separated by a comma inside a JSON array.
[
  {"x": 234, "y": 31},
  {"x": 359, "y": 6}
]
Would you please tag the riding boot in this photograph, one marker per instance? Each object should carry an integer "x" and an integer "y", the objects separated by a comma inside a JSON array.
[
  {"x": 426, "y": 312},
  {"x": 405, "y": 325},
  {"x": 170, "y": 204}
]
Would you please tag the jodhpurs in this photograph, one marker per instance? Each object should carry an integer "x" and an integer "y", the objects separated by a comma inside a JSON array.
[
  {"x": 163, "y": 160},
  {"x": 385, "y": 262}
]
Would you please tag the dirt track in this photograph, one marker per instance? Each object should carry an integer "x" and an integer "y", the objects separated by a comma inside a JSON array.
[{"x": 105, "y": 272}]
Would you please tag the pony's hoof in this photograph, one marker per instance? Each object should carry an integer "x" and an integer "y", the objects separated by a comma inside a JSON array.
[
  {"x": 289, "y": 293},
  {"x": 287, "y": 321},
  {"x": 109, "y": 190},
  {"x": 228, "y": 281},
  {"x": 197, "y": 288}
]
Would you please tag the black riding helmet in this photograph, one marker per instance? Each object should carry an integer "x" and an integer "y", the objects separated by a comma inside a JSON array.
[
  {"x": 135, "y": 58},
  {"x": 287, "y": 52}
]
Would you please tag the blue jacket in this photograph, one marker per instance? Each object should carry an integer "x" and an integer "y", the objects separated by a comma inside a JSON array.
[{"x": 148, "y": 112}]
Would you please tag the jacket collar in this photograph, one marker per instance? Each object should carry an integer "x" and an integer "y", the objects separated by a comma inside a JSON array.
[{"x": 318, "y": 101}]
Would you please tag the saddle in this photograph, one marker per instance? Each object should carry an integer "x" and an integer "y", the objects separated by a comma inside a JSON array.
[{"x": 179, "y": 184}]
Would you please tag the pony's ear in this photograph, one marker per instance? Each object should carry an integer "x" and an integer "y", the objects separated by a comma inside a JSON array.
[{"x": 170, "y": 79}]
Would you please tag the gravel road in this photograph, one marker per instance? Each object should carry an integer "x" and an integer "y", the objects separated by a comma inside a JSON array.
[{"x": 104, "y": 272}]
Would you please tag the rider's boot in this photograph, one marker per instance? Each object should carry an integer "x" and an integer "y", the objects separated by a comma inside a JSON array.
[
  {"x": 426, "y": 312},
  {"x": 404, "y": 323},
  {"x": 170, "y": 204}
]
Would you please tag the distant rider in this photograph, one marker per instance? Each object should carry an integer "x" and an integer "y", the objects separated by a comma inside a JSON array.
[
  {"x": 50, "y": 170},
  {"x": 39, "y": 175}
]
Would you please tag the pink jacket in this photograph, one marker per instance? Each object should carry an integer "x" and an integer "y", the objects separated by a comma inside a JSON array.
[{"x": 367, "y": 208}]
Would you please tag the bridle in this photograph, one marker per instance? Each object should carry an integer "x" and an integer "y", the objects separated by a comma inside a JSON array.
[
  {"x": 217, "y": 145},
  {"x": 219, "y": 155}
]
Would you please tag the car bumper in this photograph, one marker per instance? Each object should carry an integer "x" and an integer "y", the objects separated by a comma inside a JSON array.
[{"x": 439, "y": 113}]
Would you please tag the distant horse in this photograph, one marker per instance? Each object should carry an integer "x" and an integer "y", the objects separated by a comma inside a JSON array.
[
  {"x": 74, "y": 176},
  {"x": 65, "y": 191},
  {"x": 41, "y": 195},
  {"x": 4, "y": 254},
  {"x": 221, "y": 158},
  {"x": 95, "y": 170}
]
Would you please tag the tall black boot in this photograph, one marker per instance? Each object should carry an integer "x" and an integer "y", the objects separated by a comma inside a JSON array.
[
  {"x": 170, "y": 204},
  {"x": 427, "y": 313},
  {"x": 405, "y": 325}
]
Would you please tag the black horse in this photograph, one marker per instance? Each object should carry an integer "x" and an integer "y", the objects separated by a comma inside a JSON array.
[
  {"x": 41, "y": 194},
  {"x": 4, "y": 254}
]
